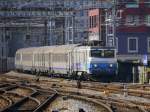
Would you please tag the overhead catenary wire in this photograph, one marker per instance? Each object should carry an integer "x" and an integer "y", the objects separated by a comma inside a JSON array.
[{"x": 74, "y": 6}]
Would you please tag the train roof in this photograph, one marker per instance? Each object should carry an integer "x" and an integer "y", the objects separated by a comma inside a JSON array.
[
  {"x": 30, "y": 49},
  {"x": 101, "y": 47},
  {"x": 59, "y": 48}
]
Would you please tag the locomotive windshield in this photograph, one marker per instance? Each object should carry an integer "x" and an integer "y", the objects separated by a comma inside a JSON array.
[
  {"x": 103, "y": 53},
  {"x": 97, "y": 53},
  {"x": 109, "y": 53}
]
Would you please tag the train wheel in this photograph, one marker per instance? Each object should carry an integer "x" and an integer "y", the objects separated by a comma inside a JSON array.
[
  {"x": 84, "y": 76},
  {"x": 74, "y": 75},
  {"x": 52, "y": 73}
]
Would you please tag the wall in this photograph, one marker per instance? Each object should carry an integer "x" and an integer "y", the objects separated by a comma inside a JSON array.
[
  {"x": 123, "y": 42},
  {"x": 17, "y": 39}
]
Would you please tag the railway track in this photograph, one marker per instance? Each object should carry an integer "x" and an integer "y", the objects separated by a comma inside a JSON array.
[
  {"x": 32, "y": 99},
  {"x": 116, "y": 104},
  {"x": 18, "y": 98},
  {"x": 71, "y": 103},
  {"x": 113, "y": 88},
  {"x": 4, "y": 102}
]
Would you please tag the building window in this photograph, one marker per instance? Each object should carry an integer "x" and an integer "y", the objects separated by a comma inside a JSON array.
[
  {"x": 2, "y": 51},
  {"x": 132, "y": 4},
  {"x": 117, "y": 44},
  {"x": 147, "y": 3},
  {"x": 148, "y": 20},
  {"x": 132, "y": 44},
  {"x": 111, "y": 42},
  {"x": 94, "y": 17},
  {"x": 90, "y": 21},
  {"x": 93, "y": 21},
  {"x": 148, "y": 45},
  {"x": 132, "y": 20},
  {"x": 2, "y": 38}
]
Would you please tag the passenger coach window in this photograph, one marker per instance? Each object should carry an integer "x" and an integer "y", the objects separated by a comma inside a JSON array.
[
  {"x": 109, "y": 53},
  {"x": 96, "y": 53}
]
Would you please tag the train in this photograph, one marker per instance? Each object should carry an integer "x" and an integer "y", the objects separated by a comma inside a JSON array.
[{"x": 68, "y": 60}]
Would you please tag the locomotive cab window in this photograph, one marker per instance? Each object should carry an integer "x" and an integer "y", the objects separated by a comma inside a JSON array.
[
  {"x": 96, "y": 53},
  {"x": 103, "y": 53},
  {"x": 109, "y": 53}
]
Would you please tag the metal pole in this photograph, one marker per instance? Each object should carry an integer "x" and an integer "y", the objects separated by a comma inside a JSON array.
[
  {"x": 45, "y": 37},
  {"x": 50, "y": 32},
  {"x": 106, "y": 15},
  {"x": 73, "y": 17},
  {"x": 4, "y": 56},
  {"x": 133, "y": 74},
  {"x": 114, "y": 25}
]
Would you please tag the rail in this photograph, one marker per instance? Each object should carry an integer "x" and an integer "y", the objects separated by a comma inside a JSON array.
[
  {"x": 29, "y": 99},
  {"x": 47, "y": 102}
]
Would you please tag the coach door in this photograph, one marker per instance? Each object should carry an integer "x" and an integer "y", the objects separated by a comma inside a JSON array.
[
  {"x": 70, "y": 62},
  {"x": 43, "y": 61},
  {"x": 50, "y": 62},
  {"x": 33, "y": 57}
]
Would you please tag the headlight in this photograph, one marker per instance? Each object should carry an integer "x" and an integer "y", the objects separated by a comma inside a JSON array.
[
  {"x": 95, "y": 65},
  {"x": 111, "y": 65}
]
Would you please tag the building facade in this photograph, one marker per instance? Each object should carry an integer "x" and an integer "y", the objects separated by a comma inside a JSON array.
[
  {"x": 12, "y": 39},
  {"x": 97, "y": 25},
  {"x": 3, "y": 50},
  {"x": 76, "y": 27},
  {"x": 133, "y": 31},
  {"x": 132, "y": 39}
]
